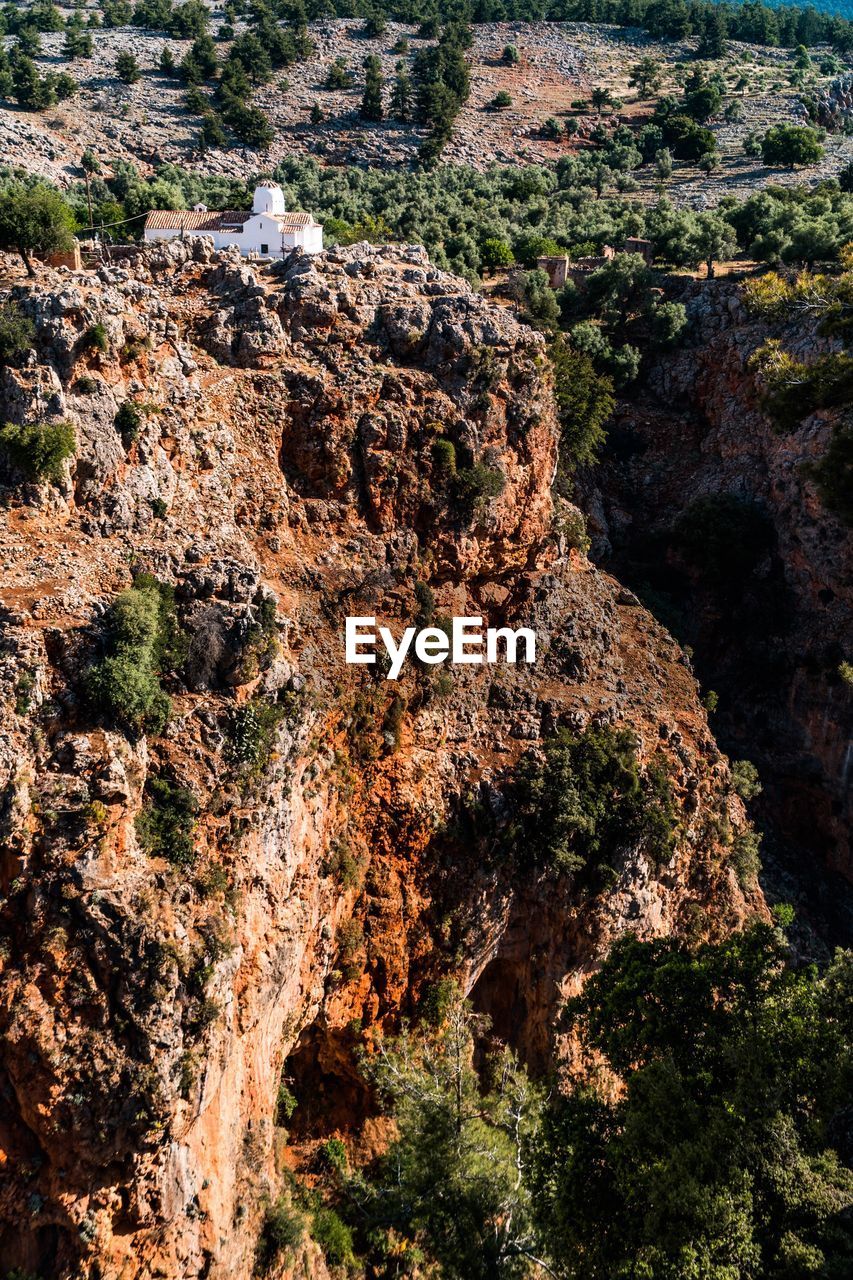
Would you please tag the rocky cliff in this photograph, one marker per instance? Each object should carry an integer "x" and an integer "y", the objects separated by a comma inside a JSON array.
[
  {"x": 771, "y": 630},
  {"x": 336, "y": 845}
]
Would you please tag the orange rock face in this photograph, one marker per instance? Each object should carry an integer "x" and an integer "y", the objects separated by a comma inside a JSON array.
[{"x": 353, "y": 434}]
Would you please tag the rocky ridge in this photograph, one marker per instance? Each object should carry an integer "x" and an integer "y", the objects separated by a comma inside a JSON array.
[{"x": 286, "y": 453}]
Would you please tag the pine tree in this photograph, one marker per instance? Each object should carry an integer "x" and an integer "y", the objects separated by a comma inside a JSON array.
[
  {"x": 712, "y": 42},
  {"x": 371, "y": 103},
  {"x": 212, "y": 134},
  {"x": 78, "y": 43},
  {"x": 30, "y": 90},
  {"x": 401, "y": 94},
  {"x": 127, "y": 68}
]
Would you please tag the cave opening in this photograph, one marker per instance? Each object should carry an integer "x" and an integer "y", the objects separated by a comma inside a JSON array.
[
  {"x": 503, "y": 993},
  {"x": 322, "y": 1074}
]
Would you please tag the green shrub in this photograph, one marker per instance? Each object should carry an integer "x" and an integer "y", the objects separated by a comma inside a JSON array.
[
  {"x": 745, "y": 857},
  {"x": 474, "y": 485},
  {"x": 86, "y": 386},
  {"x": 833, "y": 474},
  {"x": 745, "y": 780},
  {"x": 350, "y": 937},
  {"x": 143, "y": 639},
  {"x": 127, "y": 68},
  {"x": 444, "y": 458},
  {"x": 439, "y": 998},
  {"x": 286, "y": 1104},
  {"x": 333, "y": 1155},
  {"x": 588, "y": 801},
  {"x": 128, "y": 422},
  {"x": 166, "y": 824},
  {"x": 24, "y": 686},
  {"x": 17, "y": 333},
  {"x": 130, "y": 693},
  {"x": 212, "y": 881},
  {"x": 38, "y": 450},
  {"x": 339, "y": 77},
  {"x": 252, "y": 729},
  {"x": 569, "y": 523},
  {"x": 96, "y": 337},
  {"x": 343, "y": 865},
  {"x": 283, "y": 1228},
  {"x": 334, "y": 1237},
  {"x": 260, "y": 644},
  {"x": 793, "y": 390},
  {"x": 134, "y": 347}
]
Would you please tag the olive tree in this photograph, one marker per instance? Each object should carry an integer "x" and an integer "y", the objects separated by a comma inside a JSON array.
[{"x": 34, "y": 220}]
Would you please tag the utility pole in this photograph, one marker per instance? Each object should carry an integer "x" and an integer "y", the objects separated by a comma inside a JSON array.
[{"x": 88, "y": 194}]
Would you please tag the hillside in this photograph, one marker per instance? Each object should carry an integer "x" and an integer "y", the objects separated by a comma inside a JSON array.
[{"x": 147, "y": 123}]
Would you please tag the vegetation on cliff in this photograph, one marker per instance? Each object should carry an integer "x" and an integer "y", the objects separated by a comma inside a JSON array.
[
  {"x": 709, "y": 1139},
  {"x": 37, "y": 451},
  {"x": 143, "y": 641},
  {"x": 794, "y": 388},
  {"x": 587, "y": 802}
]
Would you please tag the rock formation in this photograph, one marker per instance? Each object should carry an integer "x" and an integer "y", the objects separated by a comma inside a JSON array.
[
  {"x": 770, "y": 644},
  {"x": 285, "y": 452}
]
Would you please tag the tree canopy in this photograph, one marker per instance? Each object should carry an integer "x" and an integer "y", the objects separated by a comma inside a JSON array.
[
  {"x": 790, "y": 145},
  {"x": 34, "y": 220},
  {"x": 721, "y": 1156},
  {"x": 704, "y": 1133}
]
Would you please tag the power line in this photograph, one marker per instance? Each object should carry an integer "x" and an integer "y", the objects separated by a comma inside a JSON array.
[{"x": 102, "y": 226}]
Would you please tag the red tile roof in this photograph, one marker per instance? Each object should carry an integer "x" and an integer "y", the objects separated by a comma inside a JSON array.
[
  {"x": 290, "y": 220},
  {"x": 222, "y": 220},
  {"x": 190, "y": 220}
]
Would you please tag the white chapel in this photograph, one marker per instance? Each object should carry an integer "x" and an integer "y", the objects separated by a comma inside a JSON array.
[{"x": 267, "y": 229}]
